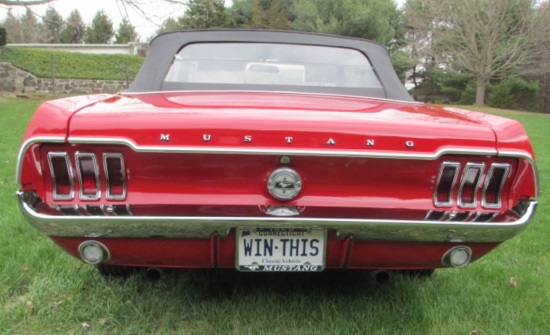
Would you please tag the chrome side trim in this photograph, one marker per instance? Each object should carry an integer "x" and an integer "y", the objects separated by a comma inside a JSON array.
[
  {"x": 202, "y": 227},
  {"x": 498, "y": 204},
  {"x": 78, "y": 157},
  {"x": 70, "y": 174},
  {"x": 480, "y": 167},
  {"x": 456, "y": 167},
  {"x": 278, "y": 152},
  {"x": 25, "y": 146},
  {"x": 275, "y": 92},
  {"x": 250, "y": 151}
]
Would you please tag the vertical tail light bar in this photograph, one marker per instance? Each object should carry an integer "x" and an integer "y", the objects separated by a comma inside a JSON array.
[
  {"x": 470, "y": 184},
  {"x": 115, "y": 175},
  {"x": 88, "y": 176},
  {"x": 494, "y": 183},
  {"x": 443, "y": 195},
  {"x": 61, "y": 172}
]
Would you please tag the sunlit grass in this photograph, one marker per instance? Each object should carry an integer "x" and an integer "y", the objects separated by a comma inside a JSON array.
[{"x": 45, "y": 291}]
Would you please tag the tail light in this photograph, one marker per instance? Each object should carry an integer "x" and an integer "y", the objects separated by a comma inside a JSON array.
[
  {"x": 88, "y": 176},
  {"x": 494, "y": 183},
  {"x": 443, "y": 195},
  {"x": 470, "y": 184},
  {"x": 472, "y": 179},
  {"x": 62, "y": 175},
  {"x": 115, "y": 176}
]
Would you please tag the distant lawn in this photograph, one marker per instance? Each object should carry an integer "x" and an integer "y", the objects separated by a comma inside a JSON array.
[
  {"x": 72, "y": 65},
  {"x": 45, "y": 291}
]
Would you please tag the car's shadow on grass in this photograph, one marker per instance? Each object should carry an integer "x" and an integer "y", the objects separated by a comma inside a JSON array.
[
  {"x": 227, "y": 283},
  {"x": 335, "y": 301}
]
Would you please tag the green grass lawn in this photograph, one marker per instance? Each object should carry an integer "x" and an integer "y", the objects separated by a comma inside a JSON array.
[{"x": 43, "y": 290}]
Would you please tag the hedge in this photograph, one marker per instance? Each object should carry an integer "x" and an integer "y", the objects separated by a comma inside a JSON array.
[
  {"x": 69, "y": 65},
  {"x": 2, "y": 36}
]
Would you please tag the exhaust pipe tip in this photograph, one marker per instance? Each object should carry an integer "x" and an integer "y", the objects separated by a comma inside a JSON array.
[
  {"x": 153, "y": 274},
  {"x": 382, "y": 277}
]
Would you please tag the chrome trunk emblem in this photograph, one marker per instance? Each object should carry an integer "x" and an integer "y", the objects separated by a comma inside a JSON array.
[{"x": 284, "y": 184}]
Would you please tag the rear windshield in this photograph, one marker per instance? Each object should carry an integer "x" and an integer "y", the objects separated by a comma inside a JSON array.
[{"x": 277, "y": 66}]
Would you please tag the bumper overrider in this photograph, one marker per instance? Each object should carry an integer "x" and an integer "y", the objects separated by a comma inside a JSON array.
[{"x": 204, "y": 227}]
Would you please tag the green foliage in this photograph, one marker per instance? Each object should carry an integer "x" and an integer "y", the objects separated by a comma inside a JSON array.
[
  {"x": 32, "y": 31},
  {"x": 401, "y": 63},
  {"x": 374, "y": 19},
  {"x": 438, "y": 86},
  {"x": 3, "y": 38},
  {"x": 271, "y": 15},
  {"x": 170, "y": 24},
  {"x": 456, "y": 88},
  {"x": 514, "y": 93},
  {"x": 101, "y": 29},
  {"x": 72, "y": 65},
  {"x": 74, "y": 29},
  {"x": 126, "y": 32},
  {"x": 200, "y": 14},
  {"x": 54, "y": 23},
  {"x": 262, "y": 14},
  {"x": 204, "y": 14}
]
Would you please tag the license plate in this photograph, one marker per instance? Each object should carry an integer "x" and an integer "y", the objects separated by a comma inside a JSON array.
[{"x": 281, "y": 249}]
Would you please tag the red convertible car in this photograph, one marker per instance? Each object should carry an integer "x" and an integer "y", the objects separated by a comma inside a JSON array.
[{"x": 272, "y": 151}]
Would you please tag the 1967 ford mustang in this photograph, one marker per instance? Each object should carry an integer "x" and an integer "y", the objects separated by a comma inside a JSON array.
[{"x": 272, "y": 151}]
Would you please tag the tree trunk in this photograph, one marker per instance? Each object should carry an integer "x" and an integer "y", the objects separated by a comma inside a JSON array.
[{"x": 480, "y": 94}]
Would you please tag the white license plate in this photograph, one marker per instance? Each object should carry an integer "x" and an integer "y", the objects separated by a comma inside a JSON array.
[{"x": 281, "y": 249}]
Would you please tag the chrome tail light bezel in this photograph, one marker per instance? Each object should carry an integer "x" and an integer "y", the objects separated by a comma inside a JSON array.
[
  {"x": 455, "y": 166},
  {"x": 108, "y": 176},
  {"x": 70, "y": 175},
  {"x": 78, "y": 157},
  {"x": 476, "y": 185},
  {"x": 489, "y": 178}
]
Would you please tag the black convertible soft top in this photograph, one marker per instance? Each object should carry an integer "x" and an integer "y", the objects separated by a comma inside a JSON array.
[{"x": 163, "y": 48}]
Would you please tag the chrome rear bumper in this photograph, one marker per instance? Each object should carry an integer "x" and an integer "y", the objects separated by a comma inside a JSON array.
[{"x": 203, "y": 227}]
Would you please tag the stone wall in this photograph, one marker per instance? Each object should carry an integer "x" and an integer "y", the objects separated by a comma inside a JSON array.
[{"x": 18, "y": 81}]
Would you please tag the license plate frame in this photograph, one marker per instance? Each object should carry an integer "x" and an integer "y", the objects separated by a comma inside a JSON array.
[{"x": 280, "y": 249}]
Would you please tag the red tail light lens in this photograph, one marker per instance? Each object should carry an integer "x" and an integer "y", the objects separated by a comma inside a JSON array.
[
  {"x": 492, "y": 190},
  {"x": 115, "y": 176},
  {"x": 62, "y": 175},
  {"x": 88, "y": 176},
  {"x": 470, "y": 184},
  {"x": 443, "y": 195}
]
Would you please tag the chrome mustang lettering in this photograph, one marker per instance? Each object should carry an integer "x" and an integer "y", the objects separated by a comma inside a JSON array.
[
  {"x": 165, "y": 137},
  {"x": 369, "y": 142}
]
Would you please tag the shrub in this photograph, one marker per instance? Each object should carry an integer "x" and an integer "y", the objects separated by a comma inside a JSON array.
[
  {"x": 69, "y": 65},
  {"x": 2, "y": 36},
  {"x": 514, "y": 93}
]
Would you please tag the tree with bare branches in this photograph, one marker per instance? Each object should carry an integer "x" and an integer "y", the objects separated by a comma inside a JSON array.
[{"x": 484, "y": 39}]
